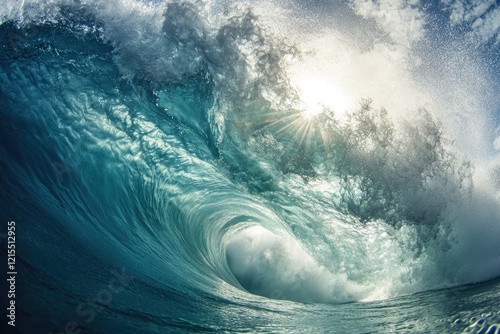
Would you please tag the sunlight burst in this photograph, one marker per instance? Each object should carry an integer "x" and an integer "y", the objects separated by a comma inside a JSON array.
[{"x": 316, "y": 94}]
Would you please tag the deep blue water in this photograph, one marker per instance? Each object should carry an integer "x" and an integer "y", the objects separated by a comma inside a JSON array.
[{"x": 235, "y": 167}]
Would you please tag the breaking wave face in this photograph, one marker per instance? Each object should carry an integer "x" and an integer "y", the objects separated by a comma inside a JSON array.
[{"x": 220, "y": 153}]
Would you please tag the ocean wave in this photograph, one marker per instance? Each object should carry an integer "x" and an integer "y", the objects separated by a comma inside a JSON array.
[{"x": 213, "y": 156}]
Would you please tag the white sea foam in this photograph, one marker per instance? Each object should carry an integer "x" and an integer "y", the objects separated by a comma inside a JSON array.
[{"x": 271, "y": 266}]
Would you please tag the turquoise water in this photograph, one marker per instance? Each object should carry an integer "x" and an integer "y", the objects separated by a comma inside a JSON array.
[{"x": 251, "y": 167}]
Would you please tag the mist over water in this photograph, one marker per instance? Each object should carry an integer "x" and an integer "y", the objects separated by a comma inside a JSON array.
[{"x": 249, "y": 163}]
